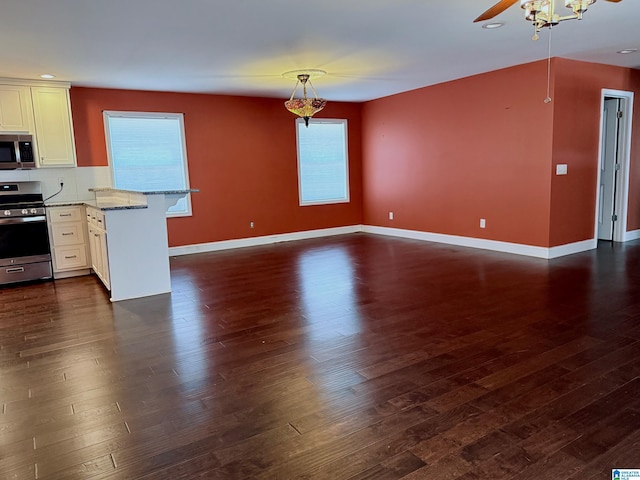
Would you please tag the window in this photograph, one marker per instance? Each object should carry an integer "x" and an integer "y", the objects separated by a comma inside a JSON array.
[
  {"x": 323, "y": 170},
  {"x": 147, "y": 151}
]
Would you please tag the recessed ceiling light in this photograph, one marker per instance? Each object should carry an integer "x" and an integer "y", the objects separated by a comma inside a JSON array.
[
  {"x": 491, "y": 26},
  {"x": 627, "y": 51},
  {"x": 47, "y": 76}
]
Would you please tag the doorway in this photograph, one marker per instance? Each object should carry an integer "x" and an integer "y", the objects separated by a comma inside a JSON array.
[{"x": 613, "y": 180}]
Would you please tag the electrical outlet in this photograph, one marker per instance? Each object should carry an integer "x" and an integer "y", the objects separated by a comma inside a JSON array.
[
  {"x": 250, "y": 224},
  {"x": 390, "y": 215},
  {"x": 483, "y": 223},
  {"x": 60, "y": 180}
]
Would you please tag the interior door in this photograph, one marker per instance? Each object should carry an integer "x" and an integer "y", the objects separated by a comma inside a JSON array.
[{"x": 608, "y": 168}]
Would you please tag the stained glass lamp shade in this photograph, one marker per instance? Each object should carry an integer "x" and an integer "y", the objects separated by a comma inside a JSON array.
[{"x": 305, "y": 107}]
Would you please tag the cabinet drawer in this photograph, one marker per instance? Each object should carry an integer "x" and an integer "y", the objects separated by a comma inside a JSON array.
[
  {"x": 65, "y": 214},
  {"x": 67, "y": 234},
  {"x": 71, "y": 257}
]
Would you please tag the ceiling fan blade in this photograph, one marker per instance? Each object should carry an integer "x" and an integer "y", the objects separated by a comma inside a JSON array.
[{"x": 497, "y": 9}]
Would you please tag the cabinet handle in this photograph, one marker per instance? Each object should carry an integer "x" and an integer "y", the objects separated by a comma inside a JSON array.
[
  {"x": 69, "y": 256},
  {"x": 15, "y": 270},
  {"x": 96, "y": 235},
  {"x": 65, "y": 215},
  {"x": 65, "y": 234}
]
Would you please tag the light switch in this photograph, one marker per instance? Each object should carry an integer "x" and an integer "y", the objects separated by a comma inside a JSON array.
[{"x": 561, "y": 169}]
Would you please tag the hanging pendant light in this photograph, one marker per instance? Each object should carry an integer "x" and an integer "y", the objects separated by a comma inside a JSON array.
[{"x": 305, "y": 107}]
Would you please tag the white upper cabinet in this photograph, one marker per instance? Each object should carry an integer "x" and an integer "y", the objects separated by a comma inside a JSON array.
[
  {"x": 53, "y": 126},
  {"x": 15, "y": 109}
]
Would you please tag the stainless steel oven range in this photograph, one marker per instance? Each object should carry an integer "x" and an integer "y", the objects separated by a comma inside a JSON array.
[{"x": 24, "y": 242}]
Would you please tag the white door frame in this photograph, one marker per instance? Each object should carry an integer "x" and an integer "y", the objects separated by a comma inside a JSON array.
[{"x": 622, "y": 179}]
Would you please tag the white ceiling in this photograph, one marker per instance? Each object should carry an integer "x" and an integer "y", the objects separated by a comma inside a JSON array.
[{"x": 370, "y": 48}]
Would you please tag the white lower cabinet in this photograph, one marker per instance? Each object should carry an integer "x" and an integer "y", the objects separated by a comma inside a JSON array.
[
  {"x": 129, "y": 244},
  {"x": 123, "y": 241},
  {"x": 68, "y": 241},
  {"x": 96, "y": 226}
]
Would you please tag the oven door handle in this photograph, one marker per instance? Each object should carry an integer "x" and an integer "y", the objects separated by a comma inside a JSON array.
[
  {"x": 17, "y": 220},
  {"x": 15, "y": 270}
]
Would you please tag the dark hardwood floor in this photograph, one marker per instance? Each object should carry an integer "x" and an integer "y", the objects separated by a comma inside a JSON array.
[{"x": 351, "y": 357}]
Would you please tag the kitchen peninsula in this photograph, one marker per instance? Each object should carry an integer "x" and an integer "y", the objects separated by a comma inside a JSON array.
[{"x": 128, "y": 240}]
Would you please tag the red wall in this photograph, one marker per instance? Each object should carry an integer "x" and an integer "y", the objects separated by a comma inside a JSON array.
[
  {"x": 486, "y": 146},
  {"x": 242, "y": 156},
  {"x": 440, "y": 158},
  {"x": 576, "y": 136},
  {"x": 444, "y": 156}
]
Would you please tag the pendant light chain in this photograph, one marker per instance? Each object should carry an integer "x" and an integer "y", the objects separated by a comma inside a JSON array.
[{"x": 548, "y": 98}]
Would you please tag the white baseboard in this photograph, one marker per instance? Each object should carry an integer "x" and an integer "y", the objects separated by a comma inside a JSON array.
[
  {"x": 264, "y": 240},
  {"x": 632, "y": 235},
  {"x": 497, "y": 246},
  {"x": 571, "y": 248}
]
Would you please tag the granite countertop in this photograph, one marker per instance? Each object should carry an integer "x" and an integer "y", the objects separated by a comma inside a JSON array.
[
  {"x": 107, "y": 207},
  {"x": 69, "y": 203},
  {"x": 92, "y": 204},
  {"x": 146, "y": 192},
  {"x": 116, "y": 204}
]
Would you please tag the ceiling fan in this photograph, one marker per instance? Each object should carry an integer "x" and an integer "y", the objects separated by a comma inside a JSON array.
[{"x": 541, "y": 13}]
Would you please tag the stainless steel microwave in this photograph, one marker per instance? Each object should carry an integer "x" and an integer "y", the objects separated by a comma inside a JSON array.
[{"x": 16, "y": 151}]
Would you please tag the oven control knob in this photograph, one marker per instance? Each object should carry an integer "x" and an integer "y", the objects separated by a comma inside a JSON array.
[
  {"x": 7, "y": 212},
  {"x": 25, "y": 211},
  {"x": 33, "y": 210}
]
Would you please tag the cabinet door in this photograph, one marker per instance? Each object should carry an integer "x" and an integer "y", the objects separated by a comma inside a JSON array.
[
  {"x": 104, "y": 261},
  {"x": 93, "y": 248},
  {"x": 99, "y": 254},
  {"x": 15, "y": 109},
  {"x": 54, "y": 135}
]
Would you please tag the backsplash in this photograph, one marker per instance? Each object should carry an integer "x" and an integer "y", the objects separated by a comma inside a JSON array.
[{"x": 77, "y": 181}]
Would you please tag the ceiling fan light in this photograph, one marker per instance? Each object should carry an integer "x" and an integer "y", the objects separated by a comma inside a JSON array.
[
  {"x": 533, "y": 6},
  {"x": 542, "y": 16},
  {"x": 578, "y": 6},
  {"x": 536, "y": 11},
  {"x": 541, "y": 13},
  {"x": 531, "y": 15}
]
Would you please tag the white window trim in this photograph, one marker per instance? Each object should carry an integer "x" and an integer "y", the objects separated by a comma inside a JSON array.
[
  {"x": 344, "y": 123},
  {"x": 126, "y": 114}
]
